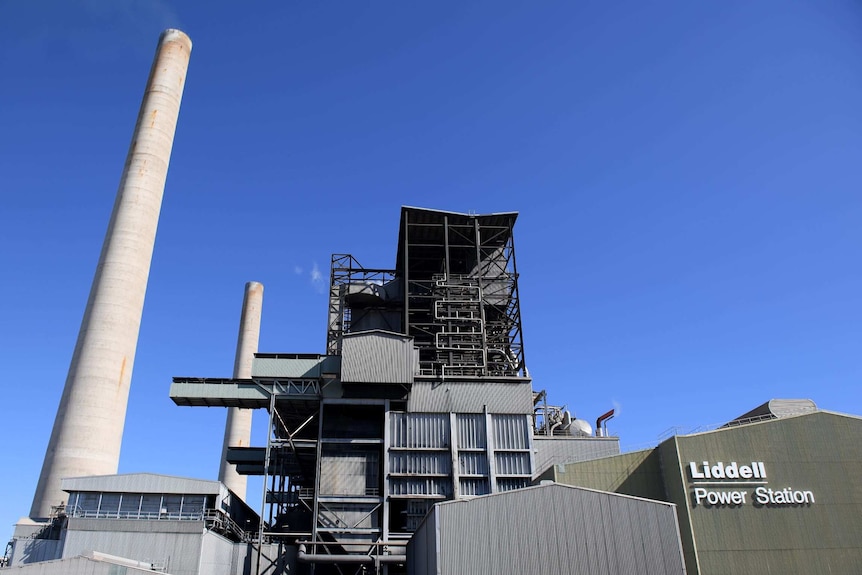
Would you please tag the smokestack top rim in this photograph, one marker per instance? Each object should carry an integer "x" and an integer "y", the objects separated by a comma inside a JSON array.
[{"x": 175, "y": 35}]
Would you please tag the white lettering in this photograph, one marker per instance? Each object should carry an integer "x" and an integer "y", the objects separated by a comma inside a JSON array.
[
  {"x": 706, "y": 497},
  {"x": 745, "y": 472},
  {"x": 695, "y": 474},
  {"x": 732, "y": 471},
  {"x": 786, "y": 496}
]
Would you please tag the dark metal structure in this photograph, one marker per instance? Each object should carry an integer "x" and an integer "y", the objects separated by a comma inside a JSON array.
[{"x": 422, "y": 396}]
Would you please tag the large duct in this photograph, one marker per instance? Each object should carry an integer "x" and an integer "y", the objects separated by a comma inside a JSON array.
[
  {"x": 237, "y": 431},
  {"x": 88, "y": 428}
]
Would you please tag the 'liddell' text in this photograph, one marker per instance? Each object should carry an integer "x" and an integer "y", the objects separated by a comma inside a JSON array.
[{"x": 730, "y": 471}]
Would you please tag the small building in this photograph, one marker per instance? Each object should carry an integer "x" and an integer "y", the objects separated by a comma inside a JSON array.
[
  {"x": 776, "y": 491},
  {"x": 548, "y": 529},
  {"x": 144, "y": 521}
]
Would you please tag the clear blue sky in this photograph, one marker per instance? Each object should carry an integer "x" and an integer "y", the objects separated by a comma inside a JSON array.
[{"x": 688, "y": 177}]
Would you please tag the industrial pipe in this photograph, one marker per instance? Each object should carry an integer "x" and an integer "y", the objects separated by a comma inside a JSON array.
[{"x": 600, "y": 431}]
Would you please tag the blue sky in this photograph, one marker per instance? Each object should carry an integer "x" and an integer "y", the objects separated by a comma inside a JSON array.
[{"x": 687, "y": 177}]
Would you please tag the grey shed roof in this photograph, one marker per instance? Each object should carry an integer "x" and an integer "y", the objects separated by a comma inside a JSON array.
[
  {"x": 142, "y": 483},
  {"x": 776, "y": 409}
]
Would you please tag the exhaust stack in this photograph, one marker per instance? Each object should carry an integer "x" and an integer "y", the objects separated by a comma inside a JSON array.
[
  {"x": 237, "y": 431},
  {"x": 88, "y": 428}
]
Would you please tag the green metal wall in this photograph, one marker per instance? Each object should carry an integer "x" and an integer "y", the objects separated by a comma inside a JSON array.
[
  {"x": 819, "y": 452},
  {"x": 637, "y": 473}
]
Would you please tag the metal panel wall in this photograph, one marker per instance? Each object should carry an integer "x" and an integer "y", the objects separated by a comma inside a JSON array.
[
  {"x": 819, "y": 452},
  {"x": 527, "y": 531},
  {"x": 471, "y": 431},
  {"x": 638, "y": 473},
  {"x": 78, "y": 566},
  {"x": 216, "y": 556},
  {"x": 513, "y": 463},
  {"x": 471, "y": 397},
  {"x": 439, "y": 486},
  {"x": 287, "y": 367},
  {"x": 554, "y": 450},
  {"x": 510, "y": 432},
  {"x": 422, "y": 548},
  {"x": 419, "y": 430},
  {"x": 378, "y": 357},
  {"x": 422, "y": 463},
  {"x": 176, "y": 553},
  {"x": 347, "y": 471}
]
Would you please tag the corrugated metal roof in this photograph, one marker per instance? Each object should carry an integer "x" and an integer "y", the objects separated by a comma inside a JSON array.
[
  {"x": 142, "y": 483},
  {"x": 777, "y": 408}
]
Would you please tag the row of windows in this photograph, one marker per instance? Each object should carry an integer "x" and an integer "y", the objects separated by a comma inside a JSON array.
[{"x": 136, "y": 505}]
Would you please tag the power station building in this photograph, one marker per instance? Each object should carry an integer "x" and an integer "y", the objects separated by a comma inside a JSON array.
[
  {"x": 415, "y": 441},
  {"x": 421, "y": 397},
  {"x": 777, "y": 490}
]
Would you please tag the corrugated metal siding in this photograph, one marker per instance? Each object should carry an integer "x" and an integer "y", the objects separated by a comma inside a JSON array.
[
  {"x": 216, "y": 556},
  {"x": 509, "y": 463},
  {"x": 510, "y": 431},
  {"x": 348, "y": 472},
  {"x": 474, "y": 486},
  {"x": 551, "y": 529},
  {"x": 420, "y": 486},
  {"x": 554, "y": 450},
  {"x": 471, "y": 431},
  {"x": 78, "y": 566},
  {"x": 33, "y": 550},
  {"x": 422, "y": 548},
  {"x": 422, "y": 463},
  {"x": 471, "y": 397},
  {"x": 819, "y": 452},
  {"x": 472, "y": 463},
  {"x": 286, "y": 367},
  {"x": 419, "y": 430},
  {"x": 179, "y": 553},
  {"x": 511, "y": 483},
  {"x": 141, "y": 483},
  {"x": 377, "y": 357},
  {"x": 135, "y": 526},
  {"x": 637, "y": 473}
]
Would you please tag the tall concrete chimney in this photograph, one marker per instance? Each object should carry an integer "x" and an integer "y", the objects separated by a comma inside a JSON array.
[
  {"x": 88, "y": 428},
  {"x": 237, "y": 431}
]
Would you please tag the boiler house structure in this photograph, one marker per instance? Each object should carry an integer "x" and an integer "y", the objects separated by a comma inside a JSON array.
[{"x": 422, "y": 396}]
